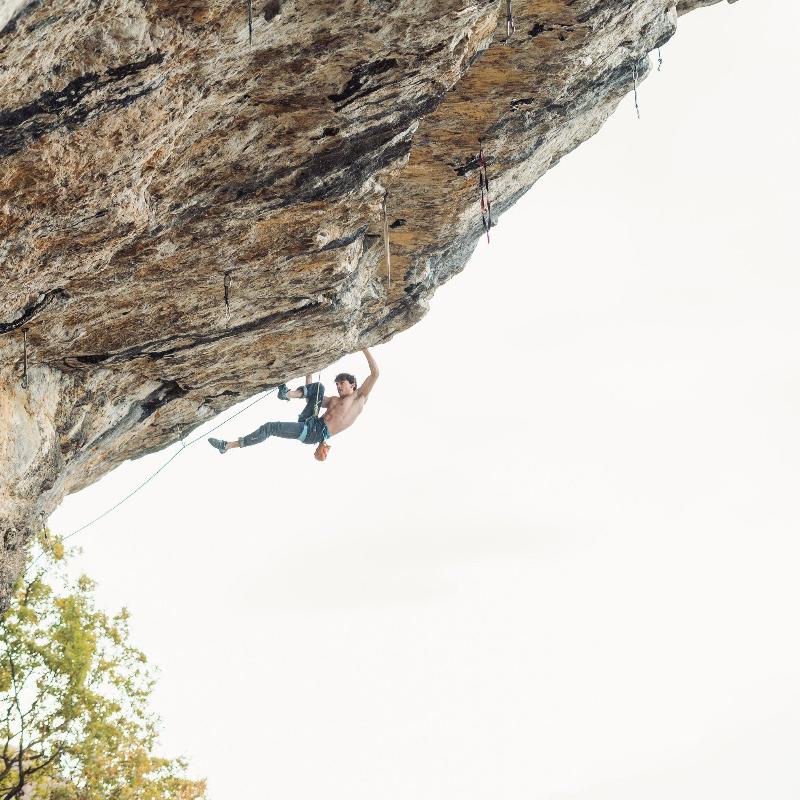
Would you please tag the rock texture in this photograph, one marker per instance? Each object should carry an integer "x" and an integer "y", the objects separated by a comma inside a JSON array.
[{"x": 149, "y": 150}]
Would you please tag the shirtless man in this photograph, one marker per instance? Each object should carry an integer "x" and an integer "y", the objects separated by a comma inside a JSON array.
[{"x": 310, "y": 428}]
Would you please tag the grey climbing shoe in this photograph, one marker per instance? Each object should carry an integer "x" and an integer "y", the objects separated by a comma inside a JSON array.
[
  {"x": 283, "y": 390},
  {"x": 218, "y": 444}
]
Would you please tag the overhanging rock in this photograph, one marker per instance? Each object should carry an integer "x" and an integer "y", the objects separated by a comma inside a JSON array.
[{"x": 151, "y": 155}]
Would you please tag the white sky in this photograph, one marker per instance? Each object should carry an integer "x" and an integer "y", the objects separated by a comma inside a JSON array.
[{"x": 557, "y": 555}]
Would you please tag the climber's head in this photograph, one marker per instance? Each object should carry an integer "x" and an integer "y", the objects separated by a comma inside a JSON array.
[{"x": 345, "y": 384}]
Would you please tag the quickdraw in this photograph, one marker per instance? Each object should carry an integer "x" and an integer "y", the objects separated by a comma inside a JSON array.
[
  {"x": 226, "y": 282},
  {"x": 250, "y": 21},
  {"x": 24, "y": 359},
  {"x": 660, "y": 60},
  {"x": 317, "y": 401},
  {"x": 509, "y": 20},
  {"x": 635, "y": 89},
  {"x": 486, "y": 203},
  {"x": 386, "y": 242}
]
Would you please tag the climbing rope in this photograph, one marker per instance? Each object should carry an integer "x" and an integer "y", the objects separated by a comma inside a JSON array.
[
  {"x": 386, "y": 243},
  {"x": 486, "y": 203},
  {"x": 318, "y": 401},
  {"x": 635, "y": 89},
  {"x": 144, "y": 483},
  {"x": 24, "y": 358},
  {"x": 509, "y": 20}
]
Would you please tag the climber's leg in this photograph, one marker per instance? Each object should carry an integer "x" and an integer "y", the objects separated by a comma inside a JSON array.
[
  {"x": 314, "y": 394},
  {"x": 283, "y": 430}
]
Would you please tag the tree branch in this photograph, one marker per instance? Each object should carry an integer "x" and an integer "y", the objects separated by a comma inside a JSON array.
[
  {"x": 20, "y": 754},
  {"x": 56, "y": 753}
]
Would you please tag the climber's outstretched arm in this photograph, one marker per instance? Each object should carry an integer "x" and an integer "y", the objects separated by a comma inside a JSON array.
[{"x": 366, "y": 387}]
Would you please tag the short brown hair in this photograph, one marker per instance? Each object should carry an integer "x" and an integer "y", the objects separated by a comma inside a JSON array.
[{"x": 346, "y": 376}]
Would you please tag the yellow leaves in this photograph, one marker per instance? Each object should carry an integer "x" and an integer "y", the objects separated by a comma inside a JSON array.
[
  {"x": 27, "y": 616},
  {"x": 50, "y": 545},
  {"x": 86, "y": 696}
]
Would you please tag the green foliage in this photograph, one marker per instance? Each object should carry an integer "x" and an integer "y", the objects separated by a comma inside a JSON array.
[{"x": 74, "y": 718}]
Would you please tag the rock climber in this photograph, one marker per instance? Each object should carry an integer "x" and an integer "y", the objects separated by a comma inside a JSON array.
[{"x": 342, "y": 412}]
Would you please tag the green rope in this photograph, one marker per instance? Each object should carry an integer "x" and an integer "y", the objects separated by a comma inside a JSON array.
[{"x": 184, "y": 445}]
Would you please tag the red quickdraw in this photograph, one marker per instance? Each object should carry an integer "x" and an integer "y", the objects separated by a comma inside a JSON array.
[{"x": 486, "y": 203}]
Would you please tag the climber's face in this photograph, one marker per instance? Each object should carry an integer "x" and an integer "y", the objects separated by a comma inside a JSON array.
[{"x": 344, "y": 387}]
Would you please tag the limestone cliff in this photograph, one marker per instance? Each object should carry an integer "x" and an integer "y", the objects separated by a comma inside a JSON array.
[{"x": 156, "y": 161}]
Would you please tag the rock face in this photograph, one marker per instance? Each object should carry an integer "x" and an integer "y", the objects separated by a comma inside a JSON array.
[{"x": 151, "y": 154}]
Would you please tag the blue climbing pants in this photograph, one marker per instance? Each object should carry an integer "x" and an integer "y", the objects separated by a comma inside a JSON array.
[{"x": 309, "y": 428}]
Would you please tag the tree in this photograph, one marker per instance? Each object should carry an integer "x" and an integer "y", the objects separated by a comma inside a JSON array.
[{"x": 74, "y": 717}]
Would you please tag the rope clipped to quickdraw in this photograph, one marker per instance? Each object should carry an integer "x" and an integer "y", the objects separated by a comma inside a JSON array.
[
  {"x": 386, "y": 242},
  {"x": 317, "y": 400},
  {"x": 636, "y": 89},
  {"x": 509, "y": 20},
  {"x": 486, "y": 203},
  {"x": 226, "y": 282},
  {"x": 24, "y": 381},
  {"x": 660, "y": 60},
  {"x": 250, "y": 21}
]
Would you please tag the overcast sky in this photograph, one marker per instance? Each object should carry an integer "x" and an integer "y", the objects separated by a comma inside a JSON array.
[{"x": 557, "y": 555}]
